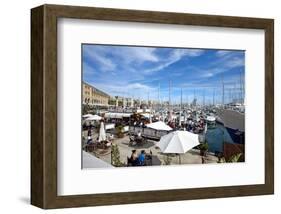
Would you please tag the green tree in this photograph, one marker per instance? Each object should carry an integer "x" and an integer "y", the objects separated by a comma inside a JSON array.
[
  {"x": 115, "y": 156},
  {"x": 119, "y": 131}
]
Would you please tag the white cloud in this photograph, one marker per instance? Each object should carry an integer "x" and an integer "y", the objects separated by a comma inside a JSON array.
[
  {"x": 136, "y": 89},
  {"x": 193, "y": 52},
  {"x": 129, "y": 57},
  {"x": 174, "y": 57},
  {"x": 235, "y": 62},
  {"x": 138, "y": 55},
  {"x": 97, "y": 54},
  {"x": 226, "y": 60},
  {"x": 87, "y": 69},
  {"x": 212, "y": 72},
  {"x": 138, "y": 86},
  {"x": 222, "y": 53}
]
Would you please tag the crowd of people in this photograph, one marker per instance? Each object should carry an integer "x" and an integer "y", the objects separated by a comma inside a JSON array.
[
  {"x": 138, "y": 159},
  {"x": 194, "y": 126}
]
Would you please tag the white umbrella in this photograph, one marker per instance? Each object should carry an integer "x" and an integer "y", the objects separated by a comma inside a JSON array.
[
  {"x": 178, "y": 142},
  {"x": 159, "y": 126},
  {"x": 93, "y": 117},
  {"x": 102, "y": 135}
]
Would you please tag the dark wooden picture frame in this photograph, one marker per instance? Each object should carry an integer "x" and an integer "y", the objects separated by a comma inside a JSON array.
[{"x": 44, "y": 106}]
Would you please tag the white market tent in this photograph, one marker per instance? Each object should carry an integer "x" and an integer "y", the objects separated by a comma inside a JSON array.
[
  {"x": 116, "y": 115},
  {"x": 146, "y": 115},
  {"x": 87, "y": 115},
  {"x": 159, "y": 125},
  {"x": 178, "y": 142},
  {"x": 93, "y": 117}
]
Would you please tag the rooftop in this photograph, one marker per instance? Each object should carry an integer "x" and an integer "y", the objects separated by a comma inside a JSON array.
[{"x": 96, "y": 90}]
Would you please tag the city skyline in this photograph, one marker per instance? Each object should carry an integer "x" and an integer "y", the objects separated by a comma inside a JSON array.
[{"x": 146, "y": 72}]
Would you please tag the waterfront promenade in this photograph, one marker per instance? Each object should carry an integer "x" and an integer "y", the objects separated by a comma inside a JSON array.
[{"x": 158, "y": 158}]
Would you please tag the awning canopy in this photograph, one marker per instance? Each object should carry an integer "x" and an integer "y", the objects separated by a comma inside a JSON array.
[
  {"x": 146, "y": 115},
  {"x": 93, "y": 117},
  {"x": 87, "y": 115},
  {"x": 159, "y": 126},
  {"x": 116, "y": 115}
]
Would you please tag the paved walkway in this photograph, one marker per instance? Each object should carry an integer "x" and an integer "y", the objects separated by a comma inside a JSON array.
[
  {"x": 90, "y": 161},
  {"x": 191, "y": 157}
]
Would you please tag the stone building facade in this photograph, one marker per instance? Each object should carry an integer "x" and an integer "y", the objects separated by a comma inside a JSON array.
[{"x": 93, "y": 96}]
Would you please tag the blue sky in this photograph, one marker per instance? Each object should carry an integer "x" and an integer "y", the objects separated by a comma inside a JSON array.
[{"x": 140, "y": 71}]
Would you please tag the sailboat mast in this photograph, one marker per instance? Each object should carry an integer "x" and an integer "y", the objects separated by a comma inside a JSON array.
[
  {"x": 169, "y": 94},
  {"x": 213, "y": 96},
  {"x": 222, "y": 78},
  {"x": 158, "y": 95},
  {"x": 147, "y": 99},
  {"x": 181, "y": 99},
  {"x": 187, "y": 101},
  {"x": 241, "y": 90},
  {"x": 203, "y": 97}
]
